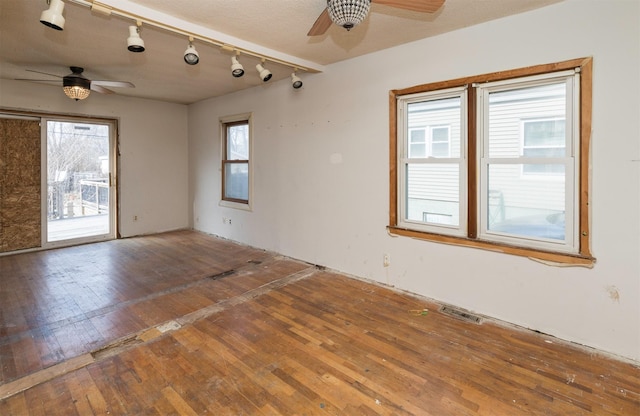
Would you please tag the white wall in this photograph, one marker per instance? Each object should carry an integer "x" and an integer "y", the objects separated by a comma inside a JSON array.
[
  {"x": 153, "y": 151},
  {"x": 321, "y": 174}
]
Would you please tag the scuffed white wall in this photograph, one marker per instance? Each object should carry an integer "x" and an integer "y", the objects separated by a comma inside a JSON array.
[
  {"x": 153, "y": 151},
  {"x": 321, "y": 173}
]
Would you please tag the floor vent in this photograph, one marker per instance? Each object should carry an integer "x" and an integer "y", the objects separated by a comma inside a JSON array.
[
  {"x": 460, "y": 314},
  {"x": 254, "y": 262},
  {"x": 221, "y": 275}
]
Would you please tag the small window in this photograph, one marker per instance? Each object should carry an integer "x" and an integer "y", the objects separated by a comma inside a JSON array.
[
  {"x": 417, "y": 143},
  {"x": 542, "y": 139},
  {"x": 236, "y": 160},
  {"x": 440, "y": 141},
  {"x": 496, "y": 161}
]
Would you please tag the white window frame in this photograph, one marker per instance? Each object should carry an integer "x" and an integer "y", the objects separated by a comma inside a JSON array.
[
  {"x": 572, "y": 130},
  {"x": 405, "y": 160},
  {"x": 223, "y": 122}
]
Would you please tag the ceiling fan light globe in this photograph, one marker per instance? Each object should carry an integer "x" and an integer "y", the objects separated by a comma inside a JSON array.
[
  {"x": 76, "y": 92},
  {"x": 134, "y": 41},
  {"x": 191, "y": 56},
  {"x": 52, "y": 17},
  {"x": 348, "y": 13}
]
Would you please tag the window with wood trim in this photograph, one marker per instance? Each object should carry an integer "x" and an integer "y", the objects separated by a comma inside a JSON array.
[
  {"x": 236, "y": 154},
  {"x": 496, "y": 161}
]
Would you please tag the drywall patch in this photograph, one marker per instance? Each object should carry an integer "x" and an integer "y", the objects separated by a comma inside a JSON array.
[{"x": 613, "y": 292}]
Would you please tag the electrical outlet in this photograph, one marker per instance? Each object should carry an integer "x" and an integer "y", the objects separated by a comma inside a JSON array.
[
  {"x": 386, "y": 260},
  {"x": 135, "y": 218}
]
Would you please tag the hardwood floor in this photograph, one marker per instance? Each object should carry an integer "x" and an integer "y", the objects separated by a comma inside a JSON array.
[{"x": 184, "y": 323}]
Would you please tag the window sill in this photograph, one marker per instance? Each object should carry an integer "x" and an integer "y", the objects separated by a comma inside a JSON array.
[
  {"x": 236, "y": 205},
  {"x": 547, "y": 257}
]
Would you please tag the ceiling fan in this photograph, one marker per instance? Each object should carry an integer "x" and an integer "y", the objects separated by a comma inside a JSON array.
[
  {"x": 77, "y": 87},
  {"x": 349, "y": 13}
]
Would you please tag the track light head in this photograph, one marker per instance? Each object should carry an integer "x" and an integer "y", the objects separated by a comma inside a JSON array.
[
  {"x": 237, "y": 70},
  {"x": 52, "y": 17},
  {"x": 134, "y": 41},
  {"x": 265, "y": 74},
  {"x": 296, "y": 82},
  {"x": 191, "y": 55}
]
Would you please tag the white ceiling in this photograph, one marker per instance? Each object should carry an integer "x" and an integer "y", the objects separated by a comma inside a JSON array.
[{"x": 273, "y": 29}]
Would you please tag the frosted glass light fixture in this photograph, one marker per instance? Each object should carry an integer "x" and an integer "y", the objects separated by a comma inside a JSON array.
[{"x": 348, "y": 13}]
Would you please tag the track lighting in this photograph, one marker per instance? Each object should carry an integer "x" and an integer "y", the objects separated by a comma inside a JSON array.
[
  {"x": 296, "y": 82},
  {"x": 134, "y": 41},
  {"x": 265, "y": 74},
  {"x": 191, "y": 54},
  {"x": 52, "y": 17},
  {"x": 236, "y": 67}
]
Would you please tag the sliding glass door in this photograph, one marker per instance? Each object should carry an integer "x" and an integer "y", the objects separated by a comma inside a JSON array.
[{"x": 79, "y": 167}]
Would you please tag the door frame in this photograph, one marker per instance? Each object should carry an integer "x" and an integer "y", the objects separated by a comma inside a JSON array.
[{"x": 113, "y": 176}]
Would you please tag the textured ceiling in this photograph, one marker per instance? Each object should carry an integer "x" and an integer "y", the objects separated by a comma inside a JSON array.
[{"x": 275, "y": 29}]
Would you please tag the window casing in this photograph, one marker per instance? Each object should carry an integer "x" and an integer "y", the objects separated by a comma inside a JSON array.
[
  {"x": 504, "y": 165},
  {"x": 236, "y": 161}
]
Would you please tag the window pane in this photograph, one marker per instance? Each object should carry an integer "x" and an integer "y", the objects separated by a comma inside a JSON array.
[
  {"x": 544, "y": 133},
  {"x": 440, "y": 149},
  {"x": 440, "y": 134},
  {"x": 526, "y": 207},
  {"x": 238, "y": 142},
  {"x": 236, "y": 184},
  {"x": 418, "y": 150},
  {"x": 433, "y": 194},
  {"x": 442, "y": 112},
  {"x": 508, "y": 109}
]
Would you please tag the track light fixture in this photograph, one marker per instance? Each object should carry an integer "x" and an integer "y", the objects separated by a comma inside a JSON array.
[
  {"x": 237, "y": 69},
  {"x": 265, "y": 74},
  {"x": 134, "y": 41},
  {"x": 191, "y": 54},
  {"x": 296, "y": 82},
  {"x": 52, "y": 17},
  {"x": 79, "y": 89}
]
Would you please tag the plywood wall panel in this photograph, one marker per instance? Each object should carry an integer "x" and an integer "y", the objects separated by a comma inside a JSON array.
[{"x": 20, "y": 184}]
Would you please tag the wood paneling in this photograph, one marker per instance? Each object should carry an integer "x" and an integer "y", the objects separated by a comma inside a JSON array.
[
  {"x": 20, "y": 195},
  {"x": 274, "y": 337}
]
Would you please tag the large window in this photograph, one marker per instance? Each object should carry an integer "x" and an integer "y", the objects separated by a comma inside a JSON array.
[
  {"x": 496, "y": 161},
  {"x": 236, "y": 166}
]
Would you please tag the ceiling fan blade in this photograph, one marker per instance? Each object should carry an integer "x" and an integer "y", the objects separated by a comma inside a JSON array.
[
  {"x": 116, "y": 84},
  {"x": 38, "y": 80},
  {"x": 323, "y": 22},
  {"x": 424, "y": 6},
  {"x": 101, "y": 90},
  {"x": 43, "y": 73}
]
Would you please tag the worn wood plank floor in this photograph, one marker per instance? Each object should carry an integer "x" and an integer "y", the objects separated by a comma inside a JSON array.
[{"x": 161, "y": 325}]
